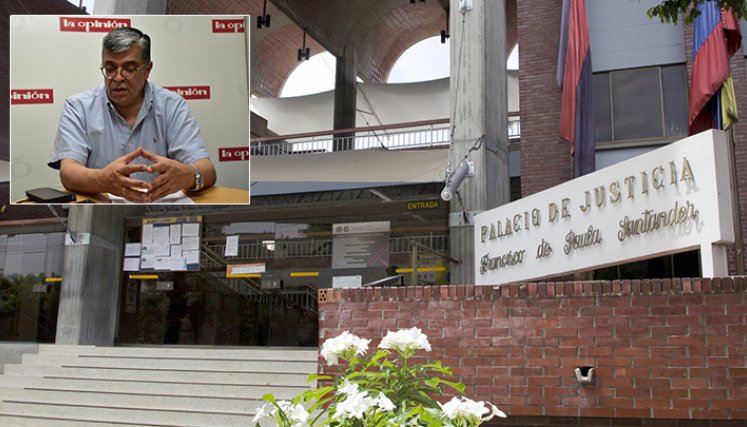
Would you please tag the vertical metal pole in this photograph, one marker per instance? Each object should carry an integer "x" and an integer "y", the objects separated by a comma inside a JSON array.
[
  {"x": 269, "y": 325},
  {"x": 738, "y": 245},
  {"x": 414, "y": 276}
]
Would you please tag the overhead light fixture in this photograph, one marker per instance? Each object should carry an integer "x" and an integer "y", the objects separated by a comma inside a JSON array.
[
  {"x": 264, "y": 19},
  {"x": 304, "y": 53},
  {"x": 380, "y": 195},
  {"x": 413, "y": 1}
]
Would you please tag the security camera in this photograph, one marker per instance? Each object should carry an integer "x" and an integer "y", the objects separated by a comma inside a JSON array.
[{"x": 454, "y": 180}]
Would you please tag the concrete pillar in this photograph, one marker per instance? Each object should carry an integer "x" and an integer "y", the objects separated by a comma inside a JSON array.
[
  {"x": 346, "y": 94},
  {"x": 479, "y": 107},
  {"x": 89, "y": 296},
  {"x": 129, "y": 7}
]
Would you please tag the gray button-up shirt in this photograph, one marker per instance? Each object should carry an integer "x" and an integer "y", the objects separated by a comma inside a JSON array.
[{"x": 92, "y": 132}]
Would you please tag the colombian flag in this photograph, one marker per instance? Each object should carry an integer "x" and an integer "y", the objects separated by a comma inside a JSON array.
[
  {"x": 715, "y": 40},
  {"x": 574, "y": 76}
]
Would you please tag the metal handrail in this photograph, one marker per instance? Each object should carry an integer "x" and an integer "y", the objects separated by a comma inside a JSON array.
[
  {"x": 422, "y": 134},
  {"x": 316, "y": 247},
  {"x": 300, "y": 297},
  {"x": 307, "y": 135},
  {"x": 422, "y": 138},
  {"x": 245, "y": 286}
]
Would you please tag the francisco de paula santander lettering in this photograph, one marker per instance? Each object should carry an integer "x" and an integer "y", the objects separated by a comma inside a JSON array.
[{"x": 650, "y": 182}]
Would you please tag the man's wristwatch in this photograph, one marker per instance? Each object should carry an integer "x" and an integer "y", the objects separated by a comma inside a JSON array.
[{"x": 199, "y": 180}]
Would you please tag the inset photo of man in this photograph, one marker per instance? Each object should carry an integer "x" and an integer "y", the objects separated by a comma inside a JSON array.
[{"x": 129, "y": 109}]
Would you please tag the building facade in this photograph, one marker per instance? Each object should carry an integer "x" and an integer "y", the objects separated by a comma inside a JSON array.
[{"x": 294, "y": 234}]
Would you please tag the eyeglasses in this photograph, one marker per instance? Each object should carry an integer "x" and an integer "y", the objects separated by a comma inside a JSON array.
[{"x": 127, "y": 71}]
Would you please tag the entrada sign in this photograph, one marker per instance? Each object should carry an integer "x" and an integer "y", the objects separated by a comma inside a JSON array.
[{"x": 669, "y": 200}]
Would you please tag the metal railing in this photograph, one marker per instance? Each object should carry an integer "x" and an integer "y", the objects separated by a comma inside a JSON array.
[
  {"x": 212, "y": 260},
  {"x": 314, "y": 247},
  {"x": 402, "y": 245},
  {"x": 426, "y": 134},
  {"x": 420, "y": 138},
  {"x": 247, "y": 250},
  {"x": 263, "y": 249},
  {"x": 304, "y": 297},
  {"x": 299, "y": 248}
]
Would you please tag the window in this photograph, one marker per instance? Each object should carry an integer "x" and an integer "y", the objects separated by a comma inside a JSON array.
[{"x": 640, "y": 104}]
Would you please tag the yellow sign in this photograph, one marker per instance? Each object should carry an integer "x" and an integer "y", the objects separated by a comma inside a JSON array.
[
  {"x": 421, "y": 269},
  {"x": 244, "y": 275},
  {"x": 305, "y": 274},
  {"x": 423, "y": 204}
]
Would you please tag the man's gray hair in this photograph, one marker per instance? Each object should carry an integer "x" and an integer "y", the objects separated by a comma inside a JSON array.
[{"x": 122, "y": 39}]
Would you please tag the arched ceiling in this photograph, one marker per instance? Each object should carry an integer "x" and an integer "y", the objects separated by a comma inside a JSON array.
[{"x": 379, "y": 31}]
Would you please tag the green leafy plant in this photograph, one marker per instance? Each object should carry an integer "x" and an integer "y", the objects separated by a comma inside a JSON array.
[
  {"x": 386, "y": 389},
  {"x": 670, "y": 10}
]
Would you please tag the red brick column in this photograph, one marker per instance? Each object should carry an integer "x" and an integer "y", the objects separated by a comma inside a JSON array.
[
  {"x": 545, "y": 158},
  {"x": 739, "y": 74},
  {"x": 662, "y": 349}
]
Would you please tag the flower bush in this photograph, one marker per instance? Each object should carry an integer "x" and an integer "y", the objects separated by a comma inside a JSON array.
[{"x": 385, "y": 390}]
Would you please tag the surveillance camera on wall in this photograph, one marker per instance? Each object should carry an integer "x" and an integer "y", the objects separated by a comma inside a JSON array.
[{"x": 455, "y": 179}]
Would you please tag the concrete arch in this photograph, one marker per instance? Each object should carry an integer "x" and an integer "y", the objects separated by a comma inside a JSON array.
[{"x": 379, "y": 31}]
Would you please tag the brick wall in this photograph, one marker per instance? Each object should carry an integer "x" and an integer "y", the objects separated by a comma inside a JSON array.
[
  {"x": 669, "y": 350},
  {"x": 739, "y": 75},
  {"x": 545, "y": 158}
]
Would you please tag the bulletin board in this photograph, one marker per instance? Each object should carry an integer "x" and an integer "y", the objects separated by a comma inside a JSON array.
[{"x": 166, "y": 244}]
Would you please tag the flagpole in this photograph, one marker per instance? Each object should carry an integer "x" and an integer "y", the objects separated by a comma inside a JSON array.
[{"x": 738, "y": 256}]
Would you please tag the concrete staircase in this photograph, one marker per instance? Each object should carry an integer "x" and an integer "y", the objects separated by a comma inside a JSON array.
[{"x": 149, "y": 386}]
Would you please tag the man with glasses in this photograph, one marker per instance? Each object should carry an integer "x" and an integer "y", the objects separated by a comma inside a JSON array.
[{"x": 130, "y": 137}]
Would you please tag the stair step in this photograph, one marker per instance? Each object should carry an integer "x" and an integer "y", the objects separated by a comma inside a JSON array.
[
  {"x": 89, "y": 386},
  {"x": 130, "y": 400},
  {"x": 22, "y": 420},
  {"x": 147, "y": 387},
  {"x": 251, "y": 353},
  {"x": 163, "y": 375},
  {"x": 133, "y": 416},
  {"x": 167, "y": 363}
]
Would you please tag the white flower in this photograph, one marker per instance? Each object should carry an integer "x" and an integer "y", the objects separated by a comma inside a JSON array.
[
  {"x": 384, "y": 403},
  {"x": 357, "y": 402},
  {"x": 262, "y": 413},
  {"x": 468, "y": 409},
  {"x": 296, "y": 414},
  {"x": 348, "y": 388},
  {"x": 344, "y": 345},
  {"x": 354, "y": 406},
  {"x": 495, "y": 412},
  {"x": 406, "y": 339}
]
